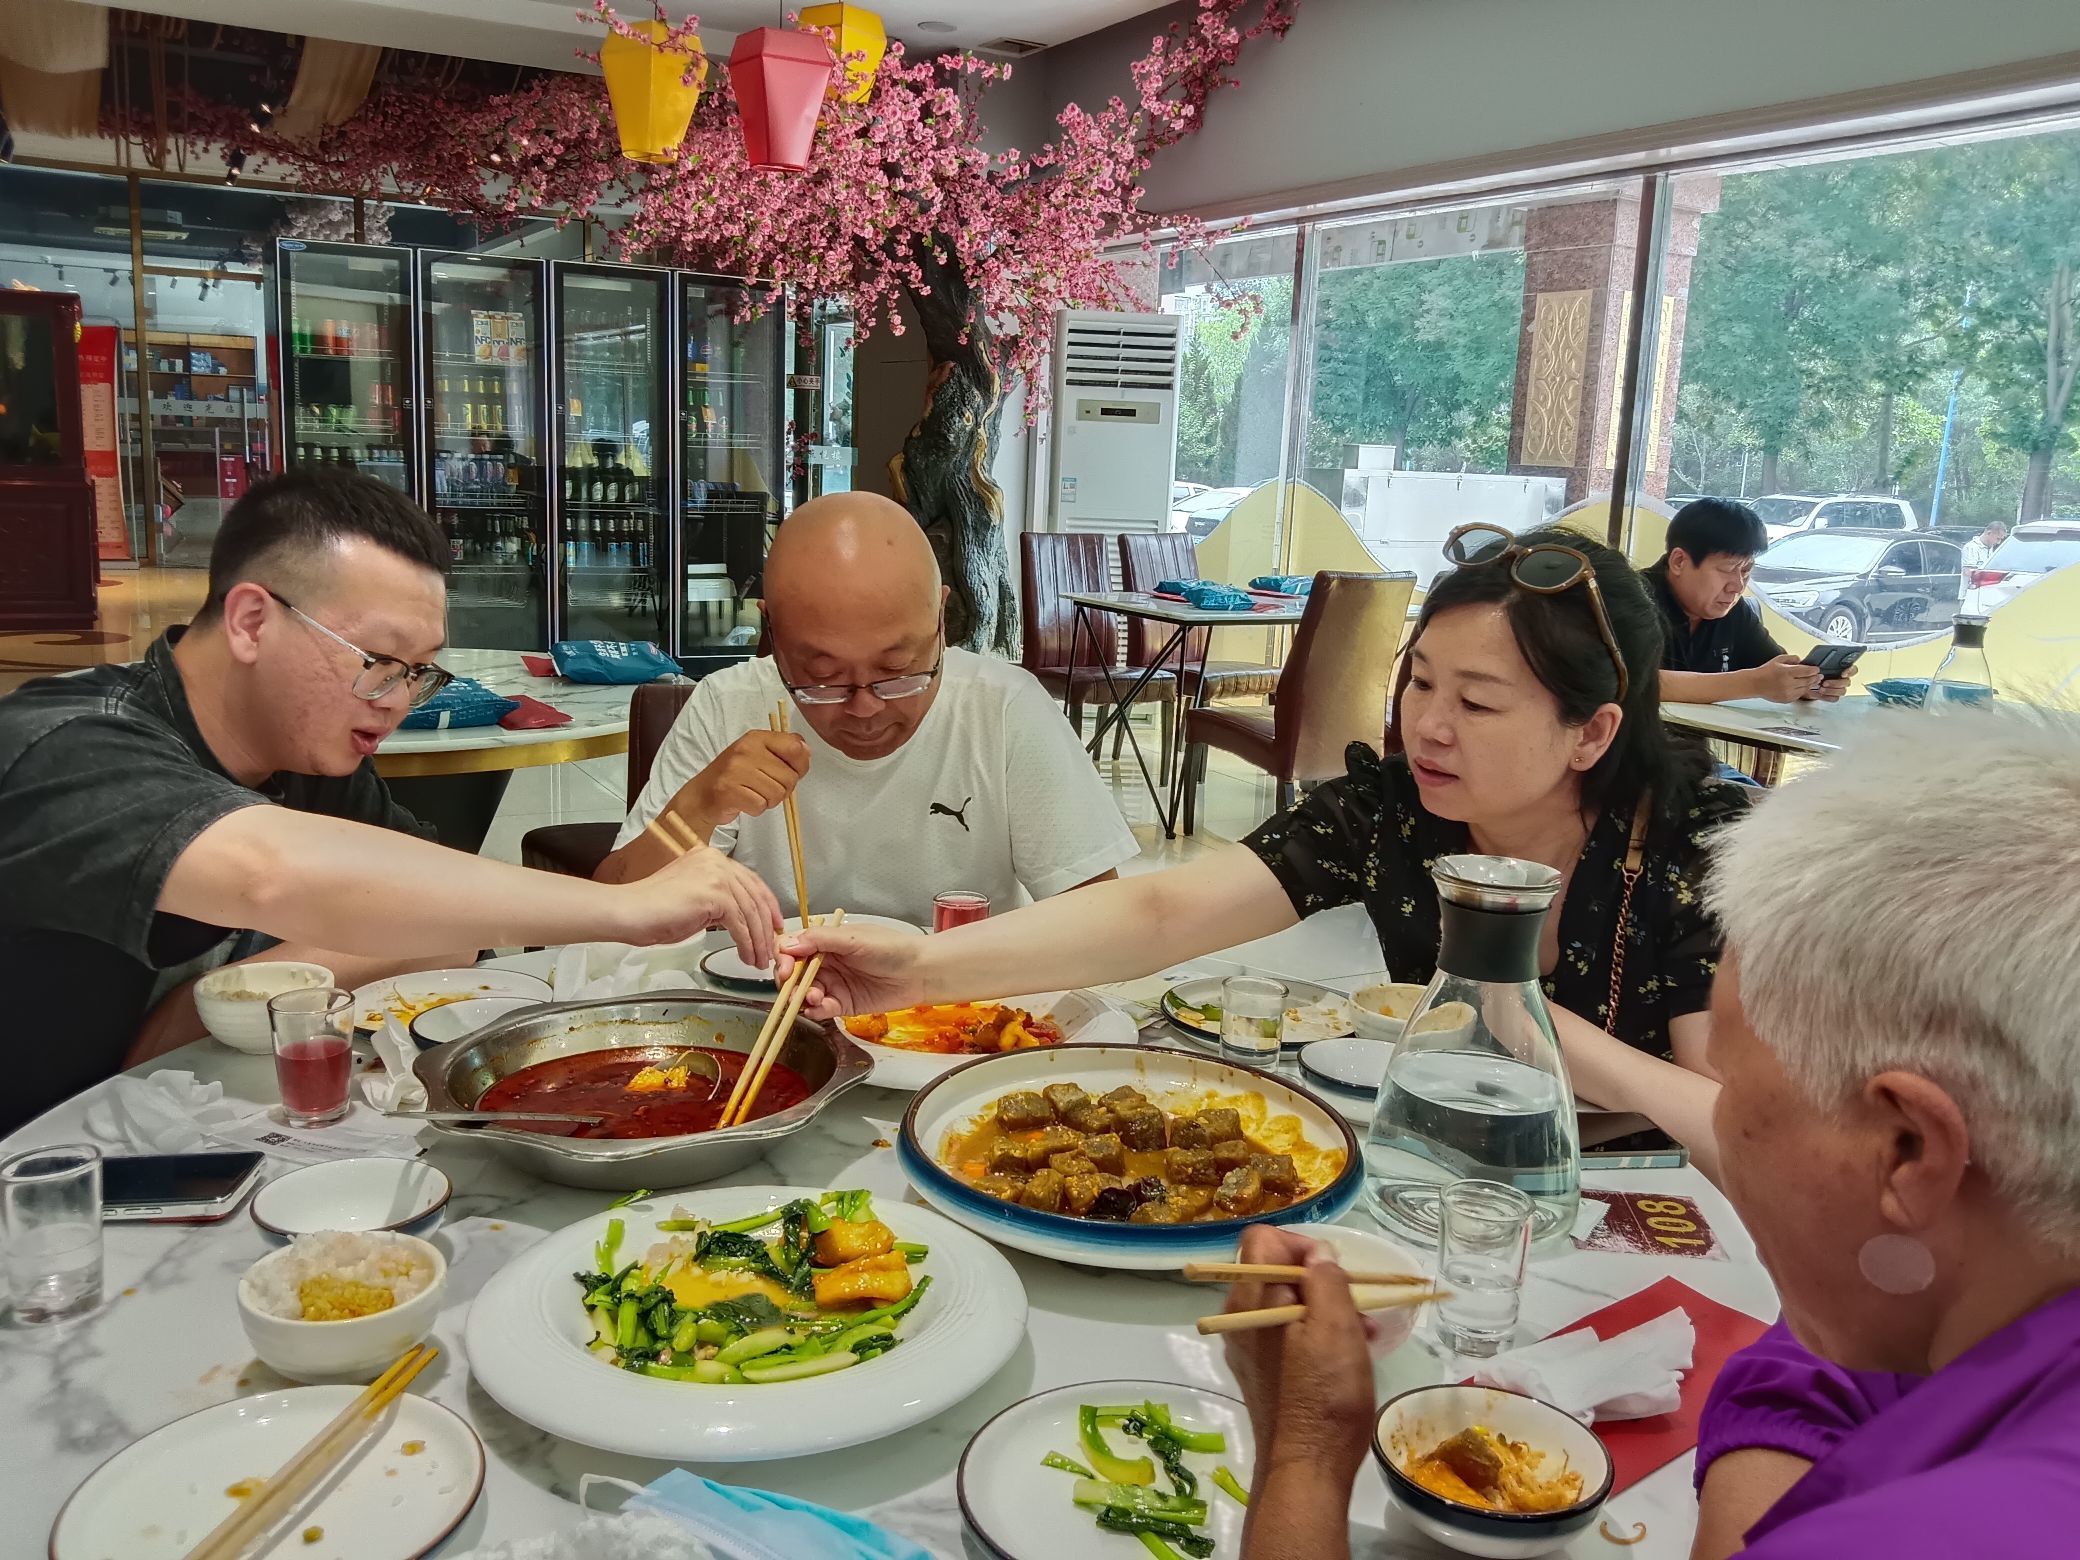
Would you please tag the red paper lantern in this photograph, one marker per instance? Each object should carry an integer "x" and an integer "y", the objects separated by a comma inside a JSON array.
[{"x": 780, "y": 78}]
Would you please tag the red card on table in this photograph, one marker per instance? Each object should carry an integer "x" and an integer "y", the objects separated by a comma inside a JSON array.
[
  {"x": 531, "y": 714},
  {"x": 1639, "y": 1446},
  {"x": 539, "y": 665}
]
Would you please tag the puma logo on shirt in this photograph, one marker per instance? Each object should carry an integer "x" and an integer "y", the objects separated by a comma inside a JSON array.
[{"x": 958, "y": 814}]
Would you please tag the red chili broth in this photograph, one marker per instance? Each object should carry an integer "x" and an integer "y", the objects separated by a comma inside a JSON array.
[{"x": 598, "y": 1081}]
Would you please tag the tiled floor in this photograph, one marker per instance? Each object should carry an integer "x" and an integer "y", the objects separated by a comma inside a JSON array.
[{"x": 137, "y": 605}]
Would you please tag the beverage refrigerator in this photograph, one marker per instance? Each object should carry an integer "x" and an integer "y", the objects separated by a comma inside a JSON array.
[
  {"x": 345, "y": 315},
  {"x": 485, "y": 388}
]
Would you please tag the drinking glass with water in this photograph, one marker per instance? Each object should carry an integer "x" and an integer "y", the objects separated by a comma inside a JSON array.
[
  {"x": 1253, "y": 1018},
  {"x": 50, "y": 1215},
  {"x": 1483, "y": 1241}
]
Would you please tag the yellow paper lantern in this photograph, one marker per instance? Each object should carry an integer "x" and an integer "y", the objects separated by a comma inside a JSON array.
[
  {"x": 853, "y": 30},
  {"x": 652, "y": 105}
]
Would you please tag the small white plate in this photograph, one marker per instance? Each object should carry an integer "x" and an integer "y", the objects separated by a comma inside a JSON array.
[
  {"x": 1023, "y": 1511},
  {"x": 405, "y": 1195},
  {"x": 401, "y": 993},
  {"x": 538, "y": 962},
  {"x": 1183, "y": 1004},
  {"x": 1360, "y": 1065},
  {"x": 723, "y": 963},
  {"x": 453, "y": 1020},
  {"x": 1082, "y": 1016},
  {"x": 155, "y": 1499}
]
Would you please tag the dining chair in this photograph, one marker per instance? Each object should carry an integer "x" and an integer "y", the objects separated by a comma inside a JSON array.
[
  {"x": 1051, "y": 565},
  {"x": 577, "y": 849},
  {"x": 1333, "y": 691},
  {"x": 1146, "y": 559}
]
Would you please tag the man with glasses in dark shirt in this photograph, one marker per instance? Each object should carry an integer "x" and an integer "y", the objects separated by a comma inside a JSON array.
[{"x": 151, "y": 813}]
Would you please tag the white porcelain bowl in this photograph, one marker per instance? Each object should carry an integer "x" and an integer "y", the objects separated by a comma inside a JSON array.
[
  {"x": 1381, "y": 1011},
  {"x": 358, "y": 1348},
  {"x": 453, "y": 1020},
  {"x": 232, "y": 1001},
  {"x": 1361, "y": 1251},
  {"x": 405, "y": 1195},
  {"x": 1421, "y": 1418}
]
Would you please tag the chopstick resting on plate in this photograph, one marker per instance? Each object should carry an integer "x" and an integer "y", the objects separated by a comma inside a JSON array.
[
  {"x": 1286, "y": 1315},
  {"x": 318, "y": 1456},
  {"x": 787, "y": 1007}
]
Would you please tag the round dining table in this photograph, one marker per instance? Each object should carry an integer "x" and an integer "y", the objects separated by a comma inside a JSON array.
[{"x": 166, "y": 1340}]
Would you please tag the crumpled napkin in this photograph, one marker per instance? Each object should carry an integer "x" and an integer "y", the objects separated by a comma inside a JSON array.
[
  {"x": 165, "y": 1112},
  {"x": 395, "y": 1087},
  {"x": 1631, "y": 1376},
  {"x": 685, "y": 1517},
  {"x": 605, "y": 969}
]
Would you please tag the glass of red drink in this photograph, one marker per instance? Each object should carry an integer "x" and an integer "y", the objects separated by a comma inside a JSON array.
[
  {"x": 957, "y": 907},
  {"x": 313, "y": 1053}
]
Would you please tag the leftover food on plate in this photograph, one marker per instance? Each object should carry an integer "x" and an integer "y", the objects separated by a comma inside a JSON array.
[
  {"x": 814, "y": 1286},
  {"x": 337, "y": 1277},
  {"x": 956, "y": 1029},
  {"x": 1126, "y": 1158},
  {"x": 1325, "y": 1018},
  {"x": 1123, "y": 1494},
  {"x": 1489, "y": 1472},
  {"x": 605, "y": 1082}
]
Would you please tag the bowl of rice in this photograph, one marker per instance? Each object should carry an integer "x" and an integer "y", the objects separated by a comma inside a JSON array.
[
  {"x": 232, "y": 1001},
  {"x": 341, "y": 1304}
]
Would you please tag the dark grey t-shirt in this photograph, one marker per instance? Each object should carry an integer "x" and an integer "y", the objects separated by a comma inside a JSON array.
[{"x": 104, "y": 781}]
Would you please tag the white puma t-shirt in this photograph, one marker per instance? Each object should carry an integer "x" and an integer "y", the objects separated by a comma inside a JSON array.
[{"x": 992, "y": 793}]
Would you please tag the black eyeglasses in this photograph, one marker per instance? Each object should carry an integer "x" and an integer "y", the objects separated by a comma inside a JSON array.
[
  {"x": 379, "y": 674},
  {"x": 1544, "y": 569},
  {"x": 886, "y": 689}
]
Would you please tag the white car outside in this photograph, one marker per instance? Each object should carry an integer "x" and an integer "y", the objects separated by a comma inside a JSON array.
[
  {"x": 1787, "y": 514},
  {"x": 2032, "y": 550}
]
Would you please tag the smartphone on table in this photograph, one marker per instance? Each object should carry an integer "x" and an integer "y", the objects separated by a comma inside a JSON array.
[
  {"x": 1834, "y": 660},
  {"x": 177, "y": 1188}
]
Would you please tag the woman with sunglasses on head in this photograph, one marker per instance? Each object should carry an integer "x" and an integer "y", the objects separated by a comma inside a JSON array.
[{"x": 1524, "y": 722}]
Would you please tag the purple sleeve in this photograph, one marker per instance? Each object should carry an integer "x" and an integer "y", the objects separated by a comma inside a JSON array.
[{"x": 1778, "y": 1394}]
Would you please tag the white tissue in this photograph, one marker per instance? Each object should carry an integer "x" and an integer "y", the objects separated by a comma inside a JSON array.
[
  {"x": 631, "y": 1535},
  {"x": 589, "y": 970},
  {"x": 166, "y": 1112},
  {"x": 1631, "y": 1376},
  {"x": 395, "y": 1087}
]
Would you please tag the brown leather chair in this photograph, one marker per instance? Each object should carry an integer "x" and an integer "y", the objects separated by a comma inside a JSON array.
[
  {"x": 578, "y": 848},
  {"x": 1333, "y": 692},
  {"x": 1051, "y": 564},
  {"x": 1145, "y": 560}
]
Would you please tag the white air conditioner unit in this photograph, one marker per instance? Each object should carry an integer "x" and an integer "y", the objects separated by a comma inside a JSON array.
[{"x": 1115, "y": 420}]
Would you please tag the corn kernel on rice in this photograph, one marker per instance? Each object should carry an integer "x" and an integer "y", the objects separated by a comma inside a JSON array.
[{"x": 337, "y": 1276}]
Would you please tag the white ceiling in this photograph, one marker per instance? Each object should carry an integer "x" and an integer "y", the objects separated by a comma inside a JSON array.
[{"x": 549, "y": 33}]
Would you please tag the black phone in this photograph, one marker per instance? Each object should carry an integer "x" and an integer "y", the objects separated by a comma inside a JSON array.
[
  {"x": 1833, "y": 660},
  {"x": 1614, "y": 1141},
  {"x": 186, "y": 1187}
]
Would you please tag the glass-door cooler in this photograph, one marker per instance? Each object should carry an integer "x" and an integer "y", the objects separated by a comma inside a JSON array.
[
  {"x": 344, "y": 325},
  {"x": 485, "y": 390},
  {"x": 611, "y": 405},
  {"x": 732, "y": 464}
]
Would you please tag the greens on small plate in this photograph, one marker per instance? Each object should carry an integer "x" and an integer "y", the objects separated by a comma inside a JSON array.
[{"x": 1312, "y": 1012}]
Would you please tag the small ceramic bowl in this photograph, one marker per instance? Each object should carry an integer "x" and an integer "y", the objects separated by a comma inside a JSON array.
[
  {"x": 1417, "y": 1420},
  {"x": 405, "y": 1195},
  {"x": 1355, "y": 1066},
  {"x": 1361, "y": 1251},
  {"x": 1381, "y": 1011},
  {"x": 356, "y": 1348},
  {"x": 454, "y": 1020},
  {"x": 232, "y": 1001}
]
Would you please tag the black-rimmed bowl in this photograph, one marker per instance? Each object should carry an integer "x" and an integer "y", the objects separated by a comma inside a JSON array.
[
  {"x": 1171, "y": 1078},
  {"x": 1414, "y": 1422}
]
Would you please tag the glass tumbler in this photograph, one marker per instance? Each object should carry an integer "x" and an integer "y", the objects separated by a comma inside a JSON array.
[
  {"x": 1253, "y": 1017},
  {"x": 958, "y": 907},
  {"x": 313, "y": 1053},
  {"x": 1483, "y": 1241},
  {"x": 50, "y": 1218}
]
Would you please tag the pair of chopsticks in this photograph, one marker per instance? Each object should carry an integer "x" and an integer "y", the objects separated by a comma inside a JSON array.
[
  {"x": 787, "y": 1003},
  {"x": 673, "y": 832},
  {"x": 676, "y": 835},
  {"x": 1419, "y": 1291},
  {"x": 324, "y": 1452}
]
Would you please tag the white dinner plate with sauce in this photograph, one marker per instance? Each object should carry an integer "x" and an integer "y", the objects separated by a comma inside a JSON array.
[
  {"x": 528, "y": 1332},
  {"x": 406, "y": 1488},
  {"x": 407, "y": 996},
  {"x": 1083, "y": 1017}
]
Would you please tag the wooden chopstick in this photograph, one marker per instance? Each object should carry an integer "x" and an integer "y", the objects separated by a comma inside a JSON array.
[
  {"x": 318, "y": 1456},
  {"x": 794, "y": 828},
  {"x": 1286, "y": 1315},
  {"x": 1236, "y": 1272},
  {"x": 787, "y": 1007},
  {"x": 673, "y": 832}
]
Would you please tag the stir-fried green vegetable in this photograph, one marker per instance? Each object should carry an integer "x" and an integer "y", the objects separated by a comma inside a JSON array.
[
  {"x": 1122, "y": 1491},
  {"x": 640, "y": 1325}
]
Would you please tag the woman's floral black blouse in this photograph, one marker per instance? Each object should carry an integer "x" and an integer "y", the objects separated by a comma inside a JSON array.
[{"x": 1367, "y": 837}]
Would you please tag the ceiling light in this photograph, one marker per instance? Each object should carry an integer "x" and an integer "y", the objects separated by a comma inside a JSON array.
[
  {"x": 260, "y": 119},
  {"x": 937, "y": 27},
  {"x": 234, "y": 165}
]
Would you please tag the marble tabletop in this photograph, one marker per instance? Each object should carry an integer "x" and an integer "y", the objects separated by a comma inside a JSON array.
[
  {"x": 1811, "y": 726},
  {"x": 1266, "y": 611},
  {"x": 596, "y": 710},
  {"x": 167, "y": 1339}
]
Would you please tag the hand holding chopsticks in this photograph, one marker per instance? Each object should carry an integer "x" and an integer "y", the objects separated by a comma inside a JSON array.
[
  {"x": 325, "y": 1451},
  {"x": 1409, "y": 1289}
]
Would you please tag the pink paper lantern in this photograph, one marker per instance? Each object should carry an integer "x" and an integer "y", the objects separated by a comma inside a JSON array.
[{"x": 780, "y": 78}]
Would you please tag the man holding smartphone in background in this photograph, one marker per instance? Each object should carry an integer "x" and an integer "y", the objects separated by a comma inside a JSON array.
[{"x": 1716, "y": 647}]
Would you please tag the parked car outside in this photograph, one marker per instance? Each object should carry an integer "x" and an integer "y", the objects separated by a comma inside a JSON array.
[
  {"x": 1180, "y": 491},
  {"x": 1787, "y": 514},
  {"x": 1863, "y": 586},
  {"x": 1202, "y": 512},
  {"x": 2033, "y": 549}
]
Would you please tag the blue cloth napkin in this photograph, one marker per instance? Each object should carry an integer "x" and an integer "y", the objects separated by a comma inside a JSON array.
[
  {"x": 464, "y": 702},
  {"x": 611, "y": 661},
  {"x": 741, "y": 1524},
  {"x": 1284, "y": 584}
]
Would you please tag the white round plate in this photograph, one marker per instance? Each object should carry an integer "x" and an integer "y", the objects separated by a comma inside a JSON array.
[
  {"x": 1083, "y": 1017},
  {"x": 406, "y": 1195},
  {"x": 453, "y": 1020},
  {"x": 1183, "y": 1000},
  {"x": 723, "y": 963},
  {"x": 528, "y": 1331},
  {"x": 155, "y": 1499},
  {"x": 1359, "y": 1065},
  {"x": 538, "y": 962},
  {"x": 1022, "y": 1510},
  {"x": 376, "y": 1000}
]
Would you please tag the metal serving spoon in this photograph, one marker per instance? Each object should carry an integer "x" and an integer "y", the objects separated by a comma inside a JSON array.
[{"x": 591, "y": 1118}]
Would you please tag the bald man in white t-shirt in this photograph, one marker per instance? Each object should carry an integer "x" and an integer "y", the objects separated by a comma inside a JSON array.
[{"x": 916, "y": 768}]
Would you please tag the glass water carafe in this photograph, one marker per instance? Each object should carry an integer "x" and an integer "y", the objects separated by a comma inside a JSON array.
[
  {"x": 1476, "y": 1086},
  {"x": 1964, "y": 678}
]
